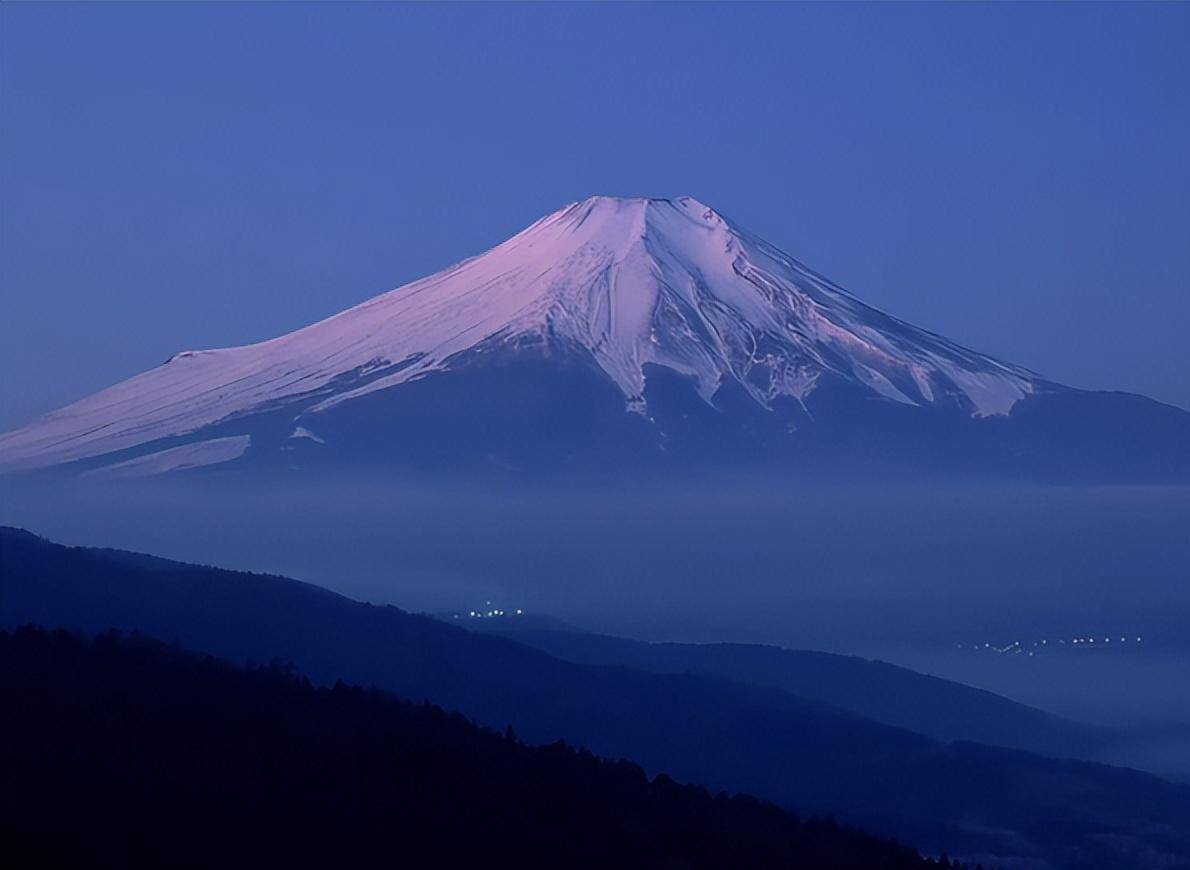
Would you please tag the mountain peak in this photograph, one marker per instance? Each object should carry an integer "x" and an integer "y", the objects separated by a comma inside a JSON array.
[
  {"x": 625, "y": 283},
  {"x": 643, "y": 207},
  {"x": 684, "y": 202}
]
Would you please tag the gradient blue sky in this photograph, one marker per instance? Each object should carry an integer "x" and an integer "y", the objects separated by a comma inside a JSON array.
[{"x": 174, "y": 176}]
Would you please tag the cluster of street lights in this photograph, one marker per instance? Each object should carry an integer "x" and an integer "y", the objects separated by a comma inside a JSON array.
[
  {"x": 491, "y": 612},
  {"x": 1019, "y": 648}
]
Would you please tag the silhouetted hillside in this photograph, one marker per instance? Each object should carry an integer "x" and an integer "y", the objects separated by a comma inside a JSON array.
[
  {"x": 127, "y": 753},
  {"x": 975, "y": 801},
  {"x": 938, "y": 708}
]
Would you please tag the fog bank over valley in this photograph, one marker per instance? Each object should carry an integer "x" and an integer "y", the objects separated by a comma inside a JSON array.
[{"x": 944, "y": 581}]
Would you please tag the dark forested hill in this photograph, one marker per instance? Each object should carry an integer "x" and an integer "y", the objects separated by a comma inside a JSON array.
[
  {"x": 987, "y": 803},
  {"x": 126, "y": 753}
]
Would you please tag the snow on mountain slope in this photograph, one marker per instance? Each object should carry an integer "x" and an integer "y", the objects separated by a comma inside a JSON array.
[
  {"x": 194, "y": 455},
  {"x": 626, "y": 282}
]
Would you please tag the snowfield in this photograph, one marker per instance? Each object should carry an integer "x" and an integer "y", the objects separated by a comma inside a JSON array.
[{"x": 626, "y": 282}]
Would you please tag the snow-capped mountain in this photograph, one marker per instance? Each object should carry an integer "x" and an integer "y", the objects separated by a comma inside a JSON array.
[{"x": 637, "y": 298}]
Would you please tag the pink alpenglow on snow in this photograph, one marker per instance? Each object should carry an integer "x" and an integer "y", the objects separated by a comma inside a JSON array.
[{"x": 630, "y": 281}]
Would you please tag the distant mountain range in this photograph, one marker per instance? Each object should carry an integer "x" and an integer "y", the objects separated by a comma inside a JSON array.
[
  {"x": 615, "y": 335},
  {"x": 940, "y": 709},
  {"x": 706, "y": 715}
]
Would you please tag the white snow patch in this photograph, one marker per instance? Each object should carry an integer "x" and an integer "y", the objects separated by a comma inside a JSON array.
[
  {"x": 990, "y": 394},
  {"x": 195, "y": 455},
  {"x": 303, "y": 432}
]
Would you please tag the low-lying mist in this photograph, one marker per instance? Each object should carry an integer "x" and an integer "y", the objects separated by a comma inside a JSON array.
[{"x": 920, "y": 576}]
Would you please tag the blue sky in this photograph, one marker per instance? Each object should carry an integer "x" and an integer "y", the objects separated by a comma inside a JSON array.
[{"x": 176, "y": 176}]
